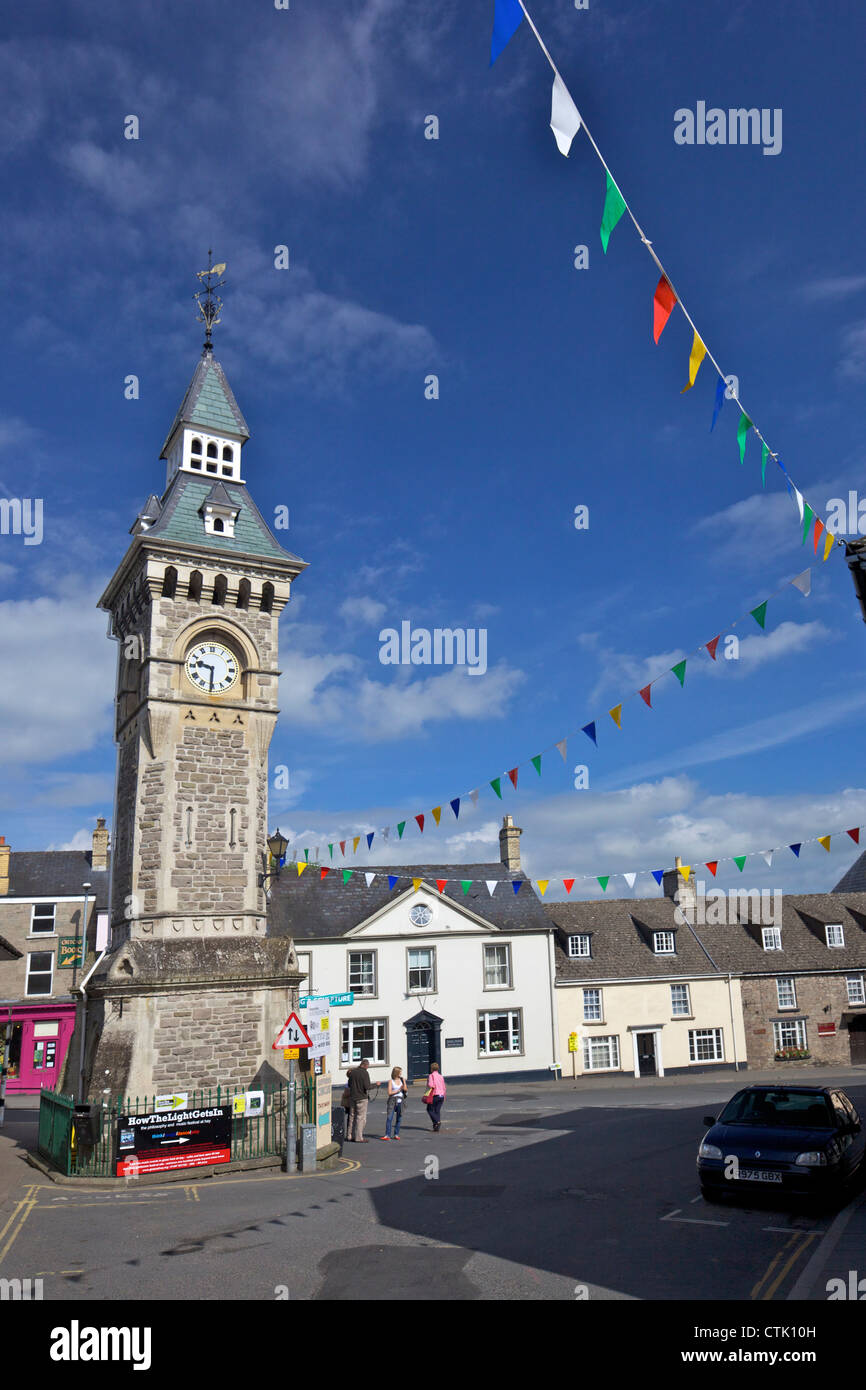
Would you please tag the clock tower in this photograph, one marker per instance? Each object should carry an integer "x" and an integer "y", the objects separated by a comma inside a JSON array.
[{"x": 193, "y": 991}]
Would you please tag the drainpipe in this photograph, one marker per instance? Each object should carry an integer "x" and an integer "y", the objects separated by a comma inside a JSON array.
[
  {"x": 733, "y": 1024},
  {"x": 551, "y": 973},
  {"x": 83, "y": 991}
]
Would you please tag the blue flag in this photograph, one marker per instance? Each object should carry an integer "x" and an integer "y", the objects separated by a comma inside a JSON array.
[
  {"x": 506, "y": 20},
  {"x": 370, "y": 838},
  {"x": 720, "y": 400},
  {"x": 515, "y": 883},
  {"x": 392, "y": 879},
  {"x": 455, "y": 807},
  {"x": 589, "y": 730},
  {"x": 796, "y": 849},
  {"x": 658, "y": 875}
]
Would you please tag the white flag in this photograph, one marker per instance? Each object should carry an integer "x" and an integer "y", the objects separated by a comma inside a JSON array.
[
  {"x": 803, "y": 582},
  {"x": 768, "y": 855},
  {"x": 491, "y": 886},
  {"x": 369, "y": 878},
  {"x": 474, "y": 797},
  {"x": 564, "y": 116},
  {"x": 799, "y": 496},
  {"x": 563, "y": 748},
  {"x": 630, "y": 878}
]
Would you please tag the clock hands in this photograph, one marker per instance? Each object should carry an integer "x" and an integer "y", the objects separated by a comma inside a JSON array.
[{"x": 204, "y": 664}]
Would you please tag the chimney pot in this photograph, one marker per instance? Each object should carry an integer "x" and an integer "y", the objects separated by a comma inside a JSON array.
[{"x": 509, "y": 845}]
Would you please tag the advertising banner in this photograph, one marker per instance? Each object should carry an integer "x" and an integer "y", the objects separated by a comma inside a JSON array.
[{"x": 173, "y": 1139}]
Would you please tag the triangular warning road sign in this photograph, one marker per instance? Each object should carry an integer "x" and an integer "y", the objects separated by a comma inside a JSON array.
[{"x": 293, "y": 1034}]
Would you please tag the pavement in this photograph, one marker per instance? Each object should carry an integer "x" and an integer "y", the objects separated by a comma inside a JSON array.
[{"x": 544, "y": 1191}]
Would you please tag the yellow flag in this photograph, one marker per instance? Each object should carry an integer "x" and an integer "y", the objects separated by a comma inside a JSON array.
[
  {"x": 542, "y": 885},
  {"x": 437, "y": 811},
  {"x": 825, "y": 841},
  {"x": 685, "y": 870},
  {"x": 301, "y": 867},
  {"x": 828, "y": 544},
  {"x": 616, "y": 715},
  {"x": 355, "y": 844},
  {"x": 416, "y": 883},
  {"x": 696, "y": 357}
]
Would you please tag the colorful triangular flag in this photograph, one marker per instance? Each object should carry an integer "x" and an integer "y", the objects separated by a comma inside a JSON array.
[
  {"x": 355, "y": 843},
  {"x": 739, "y": 860},
  {"x": 568, "y": 884},
  {"x": 416, "y": 883},
  {"x": 711, "y": 646},
  {"x": 436, "y": 813},
  {"x": 760, "y": 614},
  {"x": 541, "y": 884},
  {"x": 301, "y": 867},
  {"x": 742, "y": 430},
  {"x": 803, "y": 582},
  {"x": 696, "y": 357},
  {"x": 392, "y": 879},
  {"x": 370, "y": 838},
  {"x": 455, "y": 807},
  {"x": 420, "y": 819},
  {"x": 465, "y": 884},
  {"x": 658, "y": 875},
  {"x": 616, "y": 715},
  {"x": 680, "y": 672},
  {"x": 512, "y": 777},
  {"x": 441, "y": 884},
  {"x": 507, "y": 15},
  {"x": 664, "y": 300},
  {"x": 825, "y": 841},
  {"x": 347, "y": 874},
  {"x": 614, "y": 207},
  {"x": 536, "y": 763},
  {"x": 369, "y": 878},
  {"x": 400, "y": 828},
  {"x": 516, "y": 884},
  {"x": 604, "y": 880},
  {"x": 491, "y": 885},
  {"x": 630, "y": 878},
  {"x": 719, "y": 401},
  {"x": 645, "y": 694},
  {"x": 564, "y": 116},
  {"x": 496, "y": 784},
  {"x": 855, "y": 834},
  {"x": 589, "y": 730},
  {"x": 796, "y": 849},
  {"x": 712, "y": 865}
]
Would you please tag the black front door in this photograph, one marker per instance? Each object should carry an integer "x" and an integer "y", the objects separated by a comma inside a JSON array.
[
  {"x": 857, "y": 1038},
  {"x": 646, "y": 1053},
  {"x": 422, "y": 1046}
]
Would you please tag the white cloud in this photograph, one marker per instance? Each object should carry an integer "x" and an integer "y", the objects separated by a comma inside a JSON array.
[
  {"x": 63, "y": 704},
  {"x": 363, "y": 610},
  {"x": 853, "y": 363},
  {"x": 832, "y": 288}
]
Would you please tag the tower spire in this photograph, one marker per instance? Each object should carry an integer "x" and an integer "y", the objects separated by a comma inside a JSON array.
[{"x": 208, "y": 301}]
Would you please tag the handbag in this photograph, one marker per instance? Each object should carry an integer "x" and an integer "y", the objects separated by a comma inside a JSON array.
[{"x": 429, "y": 1096}]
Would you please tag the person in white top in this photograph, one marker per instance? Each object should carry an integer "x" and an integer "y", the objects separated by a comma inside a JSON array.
[{"x": 397, "y": 1092}]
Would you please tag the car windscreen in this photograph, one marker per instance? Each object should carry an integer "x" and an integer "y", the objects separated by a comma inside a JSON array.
[{"x": 785, "y": 1109}]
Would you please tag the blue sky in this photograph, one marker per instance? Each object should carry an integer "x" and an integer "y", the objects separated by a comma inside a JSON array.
[{"x": 411, "y": 256}]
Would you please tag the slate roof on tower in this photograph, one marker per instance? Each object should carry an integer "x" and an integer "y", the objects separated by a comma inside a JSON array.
[
  {"x": 180, "y": 520},
  {"x": 854, "y": 879},
  {"x": 209, "y": 403},
  {"x": 308, "y": 907}
]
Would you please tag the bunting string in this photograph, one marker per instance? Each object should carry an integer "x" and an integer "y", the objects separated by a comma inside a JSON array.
[
  {"x": 630, "y": 876},
  {"x": 565, "y": 122},
  {"x": 802, "y": 582}
]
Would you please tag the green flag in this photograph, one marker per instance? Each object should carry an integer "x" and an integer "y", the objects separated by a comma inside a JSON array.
[
  {"x": 680, "y": 671},
  {"x": 808, "y": 514},
  {"x": 760, "y": 614},
  {"x": 536, "y": 763},
  {"x": 331, "y": 850},
  {"x": 466, "y": 884},
  {"x": 739, "y": 860},
  {"x": 742, "y": 430},
  {"x": 604, "y": 881},
  {"x": 400, "y": 828},
  {"x": 765, "y": 450},
  {"x": 614, "y": 207},
  {"x": 347, "y": 874},
  {"x": 306, "y": 856},
  {"x": 495, "y": 784}
]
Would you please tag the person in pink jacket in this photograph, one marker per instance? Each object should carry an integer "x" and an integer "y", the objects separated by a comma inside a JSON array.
[{"x": 436, "y": 1091}]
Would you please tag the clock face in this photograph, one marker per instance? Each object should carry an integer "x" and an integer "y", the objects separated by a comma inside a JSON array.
[
  {"x": 420, "y": 915},
  {"x": 211, "y": 668}
]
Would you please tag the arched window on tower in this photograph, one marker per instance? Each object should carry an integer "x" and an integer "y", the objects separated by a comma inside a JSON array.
[
  {"x": 228, "y": 453},
  {"x": 195, "y": 446},
  {"x": 193, "y": 589},
  {"x": 220, "y": 587},
  {"x": 169, "y": 582},
  {"x": 244, "y": 589},
  {"x": 267, "y": 601},
  {"x": 212, "y": 452},
  {"x": 195, "y": 454},
  {"x": 218, "y": 524}
]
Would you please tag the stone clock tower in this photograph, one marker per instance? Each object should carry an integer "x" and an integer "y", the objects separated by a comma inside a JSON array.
[{"x": 193, "y": 991}]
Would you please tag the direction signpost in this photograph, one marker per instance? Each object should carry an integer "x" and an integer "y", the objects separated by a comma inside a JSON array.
[{"x": 291, "y": 1037}]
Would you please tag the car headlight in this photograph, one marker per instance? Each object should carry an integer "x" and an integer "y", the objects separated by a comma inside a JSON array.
[
  {"x": 813, "y": 1159},
  {"x": 709, "y": 1151}
]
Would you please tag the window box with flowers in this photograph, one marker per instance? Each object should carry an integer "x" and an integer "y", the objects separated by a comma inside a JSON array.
[{"x": 793, "y": 1054}]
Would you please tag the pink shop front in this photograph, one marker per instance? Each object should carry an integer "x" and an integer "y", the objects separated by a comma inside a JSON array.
[{"x": 40, "y": 1039}]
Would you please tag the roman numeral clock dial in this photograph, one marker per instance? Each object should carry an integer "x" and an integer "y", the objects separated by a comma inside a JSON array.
[{"x": 212, "y": 668}]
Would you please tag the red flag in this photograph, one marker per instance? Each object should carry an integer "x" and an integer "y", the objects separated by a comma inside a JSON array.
[
  {"x": 420, "y": 820},
  {"x": 513, "y": 776},
  {"x": 568, "y": 884},
  {"x": 855, "y": 835},
  {"x": 645, "y": 694},
  {"x": 440, "y": 884},
  {"x": 343, "y": 848},
  {"x": 664, "y": 300},
  {"x": 712, "y": 866},
  {"x": 322, "y": 873},
  {"x": 819, "y": 527},
  {"x": 711, "y": 646}
]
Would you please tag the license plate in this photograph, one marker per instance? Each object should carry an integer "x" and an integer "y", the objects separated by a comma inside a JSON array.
[{"x": 758, "y": 1175}]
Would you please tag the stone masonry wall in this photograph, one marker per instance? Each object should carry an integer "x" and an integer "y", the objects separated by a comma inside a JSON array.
[
  {"x": 820, "y": 999},
  {"x": 211, "y": 777}
]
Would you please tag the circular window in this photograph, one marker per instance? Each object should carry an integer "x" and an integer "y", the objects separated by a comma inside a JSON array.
[{"x": 420, "y": 915}]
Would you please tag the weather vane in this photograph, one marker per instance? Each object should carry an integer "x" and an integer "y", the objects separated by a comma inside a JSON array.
[{"x": 208, "y": 301}]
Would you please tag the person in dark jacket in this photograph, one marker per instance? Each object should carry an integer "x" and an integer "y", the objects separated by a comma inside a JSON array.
[{"x": 359, "y": 1091}]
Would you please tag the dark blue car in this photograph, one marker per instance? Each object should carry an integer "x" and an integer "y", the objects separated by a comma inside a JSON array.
[{"x": 804, "y": 1141}]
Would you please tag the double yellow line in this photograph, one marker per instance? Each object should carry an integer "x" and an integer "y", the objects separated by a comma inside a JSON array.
[
  {"x": 800, "y": 1240},
  {"x": 20, "y": 1213}
]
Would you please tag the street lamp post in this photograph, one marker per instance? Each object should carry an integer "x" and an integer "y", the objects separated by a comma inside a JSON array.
[{"x": 277, "y": 846}]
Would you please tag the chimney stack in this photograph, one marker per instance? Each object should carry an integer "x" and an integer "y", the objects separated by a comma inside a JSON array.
[
  {"x": 4, "y": 866},
  {"x": 509, "y": 845},
  {"x": 675, "y": 884},
  {"x": 99, "y": 857}
]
